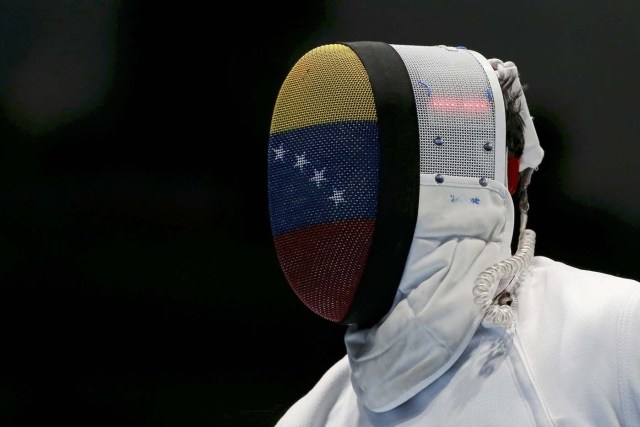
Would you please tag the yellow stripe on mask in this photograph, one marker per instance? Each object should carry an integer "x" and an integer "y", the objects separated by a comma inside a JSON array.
[{"x": 327, "y": 85}]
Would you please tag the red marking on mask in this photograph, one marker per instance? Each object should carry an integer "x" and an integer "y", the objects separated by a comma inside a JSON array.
[
  {"x": 513, "y": 173},
  {"x": 460, "y": 105}
]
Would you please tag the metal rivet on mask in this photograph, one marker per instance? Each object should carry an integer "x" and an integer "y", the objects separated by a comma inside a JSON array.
[
  {"x": 439, "y": 178},
  {"x": 488, "y": 146},
  {"x": 484, "y": 181},
  {"x": 438, "y": 141}
]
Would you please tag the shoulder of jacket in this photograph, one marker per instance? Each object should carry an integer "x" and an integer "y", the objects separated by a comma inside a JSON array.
[
  {"x": 576, "y": 330},
  {"x": 314, "y": 408},
  {"x": 628, "y": 348},
  {"x": 561, "y": 280}
]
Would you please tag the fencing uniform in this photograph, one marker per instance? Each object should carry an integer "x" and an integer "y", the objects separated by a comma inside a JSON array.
[{"x": 391, "y": 171}]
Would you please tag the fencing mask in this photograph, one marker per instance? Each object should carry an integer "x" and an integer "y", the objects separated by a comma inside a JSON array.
[{"x": 354, "y": 128}]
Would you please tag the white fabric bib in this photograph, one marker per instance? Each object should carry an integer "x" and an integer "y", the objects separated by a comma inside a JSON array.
[{"x": 462, "y": 229}]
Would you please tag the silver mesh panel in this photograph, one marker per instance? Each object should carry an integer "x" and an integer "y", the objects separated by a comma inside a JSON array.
[{"x": 456, "y": 111}]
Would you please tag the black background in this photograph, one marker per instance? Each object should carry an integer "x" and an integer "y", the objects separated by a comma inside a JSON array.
[{"x": 139, "y": 281}]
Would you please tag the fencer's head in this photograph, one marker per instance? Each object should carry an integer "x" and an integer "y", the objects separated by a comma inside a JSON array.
[{"x": 354, "y": 129}]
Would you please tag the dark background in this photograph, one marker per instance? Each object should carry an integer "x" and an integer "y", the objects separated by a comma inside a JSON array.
[{"x": 139, "y": 281}]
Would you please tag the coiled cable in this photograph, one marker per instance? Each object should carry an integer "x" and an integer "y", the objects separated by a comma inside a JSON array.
[{"x": 499, "y": 310}]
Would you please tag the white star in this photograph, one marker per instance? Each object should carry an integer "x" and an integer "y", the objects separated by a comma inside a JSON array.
[
  {"x": 337, "y": 196},
  {"x": 280, "y": 152},
  {"x": 318, "y": 177},
  {"x": 300, "y": 162}
]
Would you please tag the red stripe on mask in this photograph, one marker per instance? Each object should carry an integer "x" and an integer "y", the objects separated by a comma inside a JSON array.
[{"x": 324, "y": 263}]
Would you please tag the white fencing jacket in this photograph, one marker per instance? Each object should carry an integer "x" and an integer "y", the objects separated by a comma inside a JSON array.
[{"x": 572, "y": 358}]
